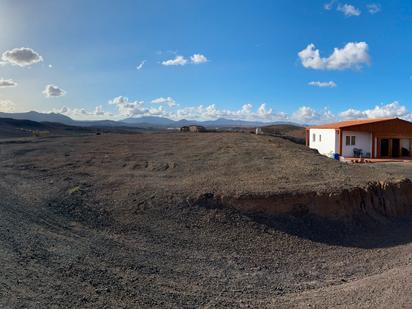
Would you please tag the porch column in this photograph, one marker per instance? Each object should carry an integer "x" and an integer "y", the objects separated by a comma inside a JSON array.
[
  {"x": 373, "y": 146},
  {"x": 378, "y": 146}
]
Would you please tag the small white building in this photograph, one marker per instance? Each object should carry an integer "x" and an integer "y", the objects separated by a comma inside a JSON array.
[{"x": 371, "y": 138}]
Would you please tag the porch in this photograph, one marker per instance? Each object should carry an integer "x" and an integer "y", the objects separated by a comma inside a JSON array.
[{"x": 376, "y": 160}]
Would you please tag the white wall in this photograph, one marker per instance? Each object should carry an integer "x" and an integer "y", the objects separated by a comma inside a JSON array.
[
  {"x": 327, "y": 146},
  {"x": 363, "y": 141}
]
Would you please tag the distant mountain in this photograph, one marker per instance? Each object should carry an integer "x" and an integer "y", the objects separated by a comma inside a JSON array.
[
  {"x": 59, "y": 118},
  {"x": 99, "y": 123},
  {"x": 10, "y": 128},
  {"x": 166, "y": 122},
  {"x": 149, "y": 120},
  {"x": 39, "y": 117},
  {"x": 141, "y": 122}
]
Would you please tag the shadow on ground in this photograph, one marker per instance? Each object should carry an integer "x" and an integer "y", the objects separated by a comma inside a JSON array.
[{"x": 364, "y": 233}]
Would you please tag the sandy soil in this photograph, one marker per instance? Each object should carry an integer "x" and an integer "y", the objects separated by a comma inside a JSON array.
[{"x": 105, "y": 221}]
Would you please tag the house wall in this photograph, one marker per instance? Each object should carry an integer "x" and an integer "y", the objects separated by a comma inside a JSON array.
[
  {"x": 327, "y": 146},
  {"x": 363, "y": 141}
]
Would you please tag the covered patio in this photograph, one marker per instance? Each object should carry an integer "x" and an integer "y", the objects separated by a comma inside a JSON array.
[{"x": 391, "y": 138}]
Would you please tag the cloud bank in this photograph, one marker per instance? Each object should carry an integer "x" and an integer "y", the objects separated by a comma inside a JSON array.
[{"x": 304, "y": 115}]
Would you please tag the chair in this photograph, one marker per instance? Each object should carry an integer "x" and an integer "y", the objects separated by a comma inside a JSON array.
[{"x": 357, "y": 153}]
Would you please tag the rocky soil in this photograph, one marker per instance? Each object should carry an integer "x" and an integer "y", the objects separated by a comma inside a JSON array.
[{"x": 118, "y": 221}]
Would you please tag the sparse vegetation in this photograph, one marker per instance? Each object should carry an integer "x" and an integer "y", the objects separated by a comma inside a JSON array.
[
  {"x": 38, "y": 133},
  {"x": 74, "y": 190}
]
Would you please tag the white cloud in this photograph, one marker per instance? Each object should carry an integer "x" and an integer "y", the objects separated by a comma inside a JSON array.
[
  {"x": 159, "y": 111},
  {"x": 21, "y": 57},
  {"x": 330, "y": 84},
  {"x": 50, "y": 66},
  {"x": 305, "y": 114},
  {"x": 181, "y": 60},
  {"x": 211, "y": 111},
  {"x": 83, "y": 114},
  {"x": 390, "y": 110},
  {"x": 349, "y": 10},
  {"x": 128, "y": 108},
  {"x": 52, "y": 91},
  {"x": 141, "y": 64},
  {"x": 373, "y": 8},
  {"x": 264, "y": 112},
  {"x": 178, "y": 60},
  {"x": 352, "y": 114},
  {"x": 352, "y": 55},
  {"x": 310, "y": 58},
  {"x": 308, "y": 115},
  {"x": 169, "y": 101},
  {"x": 7, "y": 106},
  {"x": 99, "y": 110},
  {"x": 198, "y": 58},
  {"x": 7, "y": 83},
  {"x": 329, "y": 6}
]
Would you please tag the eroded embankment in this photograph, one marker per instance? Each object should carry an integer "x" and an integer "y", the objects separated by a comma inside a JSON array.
[{"x": 377, "y": 200}]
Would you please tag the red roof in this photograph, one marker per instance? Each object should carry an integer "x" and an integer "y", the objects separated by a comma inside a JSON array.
[{"x": 349, "y": 123}]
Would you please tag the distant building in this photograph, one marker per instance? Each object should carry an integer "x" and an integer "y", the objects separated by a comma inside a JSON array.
[
  {"x": 259, "y": 131},
  {"x": 373, "y": 138},
  {"x": 193, "y": 128}
]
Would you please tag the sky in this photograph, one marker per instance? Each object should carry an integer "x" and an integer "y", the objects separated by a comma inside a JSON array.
[{"x": 301, "y": 61}]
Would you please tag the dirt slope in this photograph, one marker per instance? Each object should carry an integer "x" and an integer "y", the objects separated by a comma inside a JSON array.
[
  {"x": 286, "y": 130},
  {"x": 105, "y": 221}
]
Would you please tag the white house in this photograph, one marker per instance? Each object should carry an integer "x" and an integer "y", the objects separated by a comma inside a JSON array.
[{"x": 372, "y": 138}]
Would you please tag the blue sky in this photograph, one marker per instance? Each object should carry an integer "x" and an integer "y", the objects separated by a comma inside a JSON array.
[{"x": 249, "y": 63}]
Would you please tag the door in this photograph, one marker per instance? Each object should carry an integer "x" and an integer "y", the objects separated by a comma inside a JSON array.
[
  {"x": 396, "y": 145},
  {"x": 384, "y": 147}
]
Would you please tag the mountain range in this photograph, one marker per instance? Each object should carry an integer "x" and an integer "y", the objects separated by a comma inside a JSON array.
[{"x": 143, "y": 122}]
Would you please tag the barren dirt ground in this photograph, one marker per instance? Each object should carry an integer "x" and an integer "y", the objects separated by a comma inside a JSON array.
[{"x": 106, "y": 220}]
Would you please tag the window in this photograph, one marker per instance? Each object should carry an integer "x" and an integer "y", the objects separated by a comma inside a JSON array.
[
  {"x": 350, "y": 140},
  {"x": 320, "y": 138},
  {"x": 313, "y": 137}
]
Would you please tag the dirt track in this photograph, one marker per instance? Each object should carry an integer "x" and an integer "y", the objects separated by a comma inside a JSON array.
[{"x": 104, "y": 220}]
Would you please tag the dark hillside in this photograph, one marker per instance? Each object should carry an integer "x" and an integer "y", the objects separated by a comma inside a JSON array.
[{"x": 290, "y": 131}]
